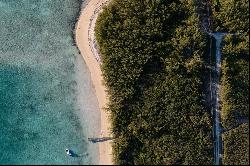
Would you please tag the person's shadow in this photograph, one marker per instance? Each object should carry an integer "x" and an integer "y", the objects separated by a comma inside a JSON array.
[{"x": 95, "y": 140}]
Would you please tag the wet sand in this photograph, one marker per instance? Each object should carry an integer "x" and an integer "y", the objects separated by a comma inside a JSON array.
[{"x": 84, "y": 41}]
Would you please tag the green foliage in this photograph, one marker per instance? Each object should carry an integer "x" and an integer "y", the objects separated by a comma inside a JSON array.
[
  {"x": 153, "y": 65},
  {"x": 230, "y": 15},
  {"x": 235, "y": 97},
  {"x": 236, "y": 146},
  {"x": 235, "y": 81}
]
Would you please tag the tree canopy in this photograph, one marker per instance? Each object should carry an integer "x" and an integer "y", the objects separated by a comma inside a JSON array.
[
  {"x": 233, "y": 16},
  {"x": 153, "y": 62}
]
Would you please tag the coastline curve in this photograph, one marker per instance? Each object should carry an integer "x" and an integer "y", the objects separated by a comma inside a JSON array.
[{"x": 85, "y": 41}]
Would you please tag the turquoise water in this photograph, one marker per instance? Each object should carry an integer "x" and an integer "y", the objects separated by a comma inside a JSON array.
[{"x": 47, "y": 102}]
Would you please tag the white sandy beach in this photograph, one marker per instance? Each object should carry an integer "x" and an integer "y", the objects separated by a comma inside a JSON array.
[{"x": 86, "y": 48}]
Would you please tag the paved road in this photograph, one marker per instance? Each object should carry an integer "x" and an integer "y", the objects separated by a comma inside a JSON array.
[{"x": 216, "y": 90}]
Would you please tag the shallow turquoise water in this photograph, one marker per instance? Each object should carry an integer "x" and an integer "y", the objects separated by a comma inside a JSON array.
[{"x": 42, "y": 76}]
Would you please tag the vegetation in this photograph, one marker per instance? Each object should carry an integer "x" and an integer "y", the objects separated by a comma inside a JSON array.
[
  {"x": 233, "y": 16},
  {"x": 235, "y": 81},
  {"x": 154, "y": 67},
  {"x": 235, "y": 98},
  {"x": 233, "y": 139},
  {"x": 230, "y": 15}
]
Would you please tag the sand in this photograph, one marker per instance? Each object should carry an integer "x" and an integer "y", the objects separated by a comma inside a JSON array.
[{"x": 84, "y": 41}]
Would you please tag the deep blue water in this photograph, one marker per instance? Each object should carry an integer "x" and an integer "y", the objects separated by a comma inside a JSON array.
[{"x": 46, "y": 96}]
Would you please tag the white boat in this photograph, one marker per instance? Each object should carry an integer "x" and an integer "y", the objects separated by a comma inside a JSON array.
[{"x": 69, "y": 152}]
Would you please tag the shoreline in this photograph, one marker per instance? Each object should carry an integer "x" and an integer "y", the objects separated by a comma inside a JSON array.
[{"x": 83, "y": 42}]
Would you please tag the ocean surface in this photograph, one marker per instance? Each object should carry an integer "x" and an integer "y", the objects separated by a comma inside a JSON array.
[{"x": 47, "y": 101}]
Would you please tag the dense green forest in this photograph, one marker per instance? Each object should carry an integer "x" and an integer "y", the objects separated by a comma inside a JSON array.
[
  {"x": 233, "y": 16},
  {"x": 153, "y": 63},
  {"x": 236, "y": 142},
  {"x": 230, "y": 15}
]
